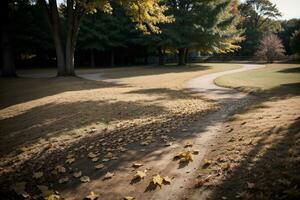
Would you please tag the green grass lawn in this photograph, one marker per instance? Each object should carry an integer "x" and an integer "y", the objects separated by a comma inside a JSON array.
[{"x": 274, "y": 77}]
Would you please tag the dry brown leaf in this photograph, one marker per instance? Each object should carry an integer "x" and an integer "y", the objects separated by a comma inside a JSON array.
[
  {"x": 92, "y": 196},
  {"x": 108, "y": 175},
  {"x": 85, "y": 179},
  {"x": 60, "y": 169},
  {"x": 19, "y": 188},
  {"x": 99, "y": 166},
  {"x": 188, "y": 143},
  {"x": 77, "y": 174},
  {"x": 137, "y": 165},
  {"x": 95, "y": 159},
  {"x": 92, "y": 155},
  {"x": 37, "y": 175},
  {"x": 63, "y": 180},
  {"x": 167, "y": 180},
  {"x": 129, "y": 198},
  {"x": 70, "y": 160},
  {"x": 206, "y": 163},
  {"x": 157, "y": 180}
]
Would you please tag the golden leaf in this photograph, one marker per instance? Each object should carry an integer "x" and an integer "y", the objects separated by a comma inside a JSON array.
[
  {"x": 129, "y": 198},
  {"x": 184, "y": 156},
  {"x": 157, "y": 180},
  {"x": 140, "y": 174},
  {"x": 53, "y": 197},
  {"x": 92, "y": 196}
]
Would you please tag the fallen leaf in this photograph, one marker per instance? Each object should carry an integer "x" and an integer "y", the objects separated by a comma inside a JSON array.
[
  {"x": 188, "y": 144},
  {"x": 167, "y": 180},
  {"x": 60, "y": 169},
  {"x": 108, "y": 175},
  {"x": 184, "y": 156},
  {"x": 206, "y": 163},
  {"x": 77, "y": 174},
  {"x": 95, "y": 159},
  {"x": 140, "y": 174},
  {"x": 196, "y": 151},
  {"x": 137, "y": 165},
  {"x": 92, "y": 155},
  {"x": 157, "y": 180},
  {"x": 70, "y": 160},
  {"x": 45, "y": 190},
  {"x": 99, "y": 166},
  {"x": 250, "y": 185},
  {"x": 129, "y": 198},
  {"x": 63, "y": 180},
  {"x": 85, "y": 179},
  {"x": 19, "y": 188},
  {"x": 92, "y": 196},
  {"x": 37, "y": 175},
  {"x": 53, "y": 197}
]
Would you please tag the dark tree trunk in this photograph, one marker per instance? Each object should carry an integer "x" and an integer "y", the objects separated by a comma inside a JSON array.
[
  {"x": 53, "y": 20},
  {"x": 93, "y": 58},
  {"x": 161, "y": 58},
  {"x": 186, "y": 56},
  {"x": 8, "y": 65},
  {"x": 112, "y": 58},
  {"x": 181, "y": 56}
]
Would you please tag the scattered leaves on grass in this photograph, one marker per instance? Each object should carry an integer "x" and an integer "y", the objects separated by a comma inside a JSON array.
[
  {"x": 77, "y": 174},
  {"x": 92, "y": 196},
  {"x": 108, "y": 175},
  {"x": 137, "y": 165},
  {"x": 38, "y": 175},
  {"x": 99, "y": 166},
  {"x": 85, "y": 179}
]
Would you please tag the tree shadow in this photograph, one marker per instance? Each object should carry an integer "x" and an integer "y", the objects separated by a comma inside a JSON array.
[
  {"x": 290, "y": 70},
  {"x": 19, "y": 90},
  {"x": 275, "y": 175},
  {"x": 132, "y": 136}
]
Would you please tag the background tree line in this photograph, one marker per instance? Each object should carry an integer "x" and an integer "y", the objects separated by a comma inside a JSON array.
[{"x": 122, "y": 33}]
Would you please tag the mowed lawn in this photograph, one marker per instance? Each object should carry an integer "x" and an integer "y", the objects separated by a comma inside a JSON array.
[{"x": 273, "y": 77}]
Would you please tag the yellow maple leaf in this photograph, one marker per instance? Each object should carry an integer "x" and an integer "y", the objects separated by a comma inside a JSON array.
[{"x": 157, "y": 180}]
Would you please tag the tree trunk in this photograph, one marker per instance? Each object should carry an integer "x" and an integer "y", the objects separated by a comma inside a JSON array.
[
  {"x": 93, "y": 58},
  {"x": 186, "y": 55},
  {"x": 181, "y": 56},
  {"x": 8, "y": 65},
  {"x": 53, "y": 20},
  {"x": 112, "y": 58},
  {"x": 161, "y": 59}
]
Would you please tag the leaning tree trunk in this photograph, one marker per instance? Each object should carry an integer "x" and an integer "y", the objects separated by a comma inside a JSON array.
[
  {"x": 8, "y": 65},
  {"x": 181, "y": 56}
]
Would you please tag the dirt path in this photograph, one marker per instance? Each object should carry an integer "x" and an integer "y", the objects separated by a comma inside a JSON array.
[{"x": 158, "y": 159}]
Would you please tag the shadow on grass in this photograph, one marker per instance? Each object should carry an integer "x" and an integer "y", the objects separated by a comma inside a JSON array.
[
  {"x": 275, "y": 174},
  {"x": 132, "y": 136},
  {"x": 290, "y": 70}
]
